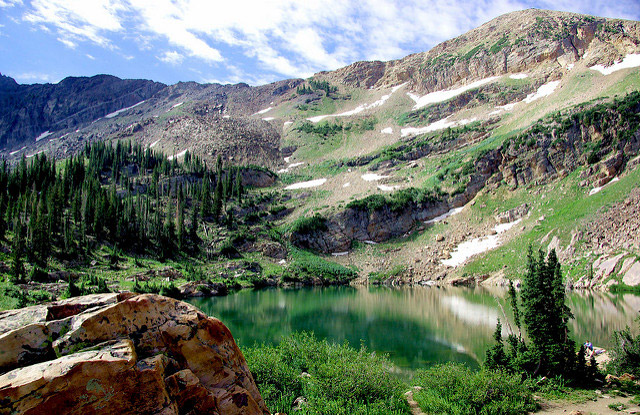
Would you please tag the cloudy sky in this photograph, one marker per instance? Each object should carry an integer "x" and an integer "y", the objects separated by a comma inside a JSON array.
[{"x": 252, "y": 41}]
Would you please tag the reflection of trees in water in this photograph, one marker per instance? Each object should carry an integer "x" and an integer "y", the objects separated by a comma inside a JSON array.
[{"x": 417, "y": 326}]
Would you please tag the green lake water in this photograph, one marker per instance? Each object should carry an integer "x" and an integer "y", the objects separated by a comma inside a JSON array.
[{"x": 416, "y": 326}]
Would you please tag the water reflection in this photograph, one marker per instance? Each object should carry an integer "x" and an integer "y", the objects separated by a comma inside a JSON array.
[{"x": 416, "y": 326}]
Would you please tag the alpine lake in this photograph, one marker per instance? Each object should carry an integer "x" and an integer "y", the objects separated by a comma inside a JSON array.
[{"x": 416, "y": 326}]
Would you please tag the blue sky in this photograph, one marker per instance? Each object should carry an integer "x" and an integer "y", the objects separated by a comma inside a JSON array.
[{"x": 238, "y": 40}]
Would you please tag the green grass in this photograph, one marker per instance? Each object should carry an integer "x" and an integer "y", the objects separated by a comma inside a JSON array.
[{"x": 333, "y": 379}]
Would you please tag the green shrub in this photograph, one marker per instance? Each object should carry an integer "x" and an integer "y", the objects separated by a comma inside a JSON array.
[
  {"x": 333, "y": 379},
  {"x": 499, "y": 45},
  {"x": 306, "y": 225},
  {"x": 228, "y": 250},
  {"x": 307, "y": 267},
  {"x": 381, "y": 276},
  {"x": 625, "y": 354},
  {"x": 396, "y": 201},
  {"x": 455, "y": 389},
  {"x": 170, "y": 290},
  {"x": 38, "y": 274}
]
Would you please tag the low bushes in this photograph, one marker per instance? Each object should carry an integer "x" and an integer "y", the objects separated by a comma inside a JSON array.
[
  {"x": 332, "y": 379},
  {"x": 311, "y": 224},
  {"x": 396, "y": 201},
  {"x": 455, "y": 389},
  {"x": 306, "y": 267}
]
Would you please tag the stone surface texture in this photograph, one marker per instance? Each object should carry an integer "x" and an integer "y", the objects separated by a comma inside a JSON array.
[{"x": 122, "y": 354}]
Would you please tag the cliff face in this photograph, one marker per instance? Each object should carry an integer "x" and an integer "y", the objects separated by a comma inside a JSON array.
[{"x": 121, "y": 353}]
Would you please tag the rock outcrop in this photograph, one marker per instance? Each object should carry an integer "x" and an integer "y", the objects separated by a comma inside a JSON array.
[
  {"x": 515, "y": 42},
  {"x": 121, "y": 353}
]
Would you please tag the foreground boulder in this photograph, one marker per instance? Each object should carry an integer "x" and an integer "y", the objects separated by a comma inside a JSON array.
[{"x": 121, "y": 354}]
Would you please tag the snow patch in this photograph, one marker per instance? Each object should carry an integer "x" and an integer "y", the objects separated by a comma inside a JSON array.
[
  {"x": 439, "y": 96},
  {"x": 570, "y": 66},
  {"x": 370, "y": 177},
  {"x": 519, "y": 76},
  {"x": 632, "y": 60},
  {"x": 306, "y": 185},
  {"x": 288, "y": 123},
  {"x": 287, "y": 159},
  {"x": 388, "y": 130},
  {"x": 347, "y": 184},
  {"x": 435, "y": 126},
  {"x": 318, "y": 118},
  {"x": 501, "y": 108},
  {"x": 395, "y": 88},
  {"x": 263, "y": 111},
  {"x": 597, "y": 189},
  {"x": 116, "y": 113},
  {"x": 544, "y": 90},
  {"x": 35, "y": 154},
  {"x": 177, "y": 105},
  {"x": 155, "y": 143},
  {"x": 445, "y": 215},
  {"x": 476, "y": 246},
  {"x": 290, "y": 166},
  {"x": 370, "y": 242},
  {"x": 17, "y": 151},
  {"x": 386, "y": 188},
  {"x": 268, "y": 119},
  {"x": 340, "y": 253},
  {"x": 180, "y": 154},
  {"x": 226, "y": 116},
  {"x": 360, "y": 108},
  {"x": 43, "y": 135}
]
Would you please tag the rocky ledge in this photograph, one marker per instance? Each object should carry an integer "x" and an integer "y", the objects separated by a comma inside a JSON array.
[{"x": 121, "y": 354}]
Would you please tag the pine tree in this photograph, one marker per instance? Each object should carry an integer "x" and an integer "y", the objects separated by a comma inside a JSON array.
[
  {"x": 3, "y": 220},
  {"x": 217, "y": 199},
  {"x": 239, "y": 190},
  {"x": 545, "y": 314},
  {"x": 496, "y": 356},
  {"x": 18, "y": 271},
  {"x": 193, "y": 229}
]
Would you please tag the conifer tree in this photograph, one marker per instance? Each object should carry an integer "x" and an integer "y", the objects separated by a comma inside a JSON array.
[
  {"x": 18, "y": 271},
  {"x": 217, "y": 199},
  {"x": 193, "y": 229},
  {"x": 239, "y": 190}
]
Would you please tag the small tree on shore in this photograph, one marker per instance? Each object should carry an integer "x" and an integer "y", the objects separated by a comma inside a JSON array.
[{"x": 544, "y": 315}]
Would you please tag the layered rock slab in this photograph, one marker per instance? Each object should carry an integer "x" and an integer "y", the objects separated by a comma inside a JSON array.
[{"x": 142, "y": 354}]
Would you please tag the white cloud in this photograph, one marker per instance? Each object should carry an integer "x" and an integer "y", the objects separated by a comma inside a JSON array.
[
  {"x": 283, "y": 37},
  {"x": 172, "y": 57},
  {"x": 10, "y": 3},
  {"x": 78, "y": 20},
  {"x": 67, "y": 42},
  {"x": 33, "y": 77},
  {"x": 93, "y": 58}
]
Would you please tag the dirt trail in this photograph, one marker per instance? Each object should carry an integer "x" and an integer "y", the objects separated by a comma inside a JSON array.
[
  {"x": 413, "y": 405},
  {"x": 597, "y": 407}
]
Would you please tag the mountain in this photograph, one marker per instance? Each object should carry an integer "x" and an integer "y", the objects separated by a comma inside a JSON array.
[{"x": 523, "y": 131}]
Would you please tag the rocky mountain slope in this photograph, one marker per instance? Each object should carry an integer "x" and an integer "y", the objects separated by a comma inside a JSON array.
[{"x": 403, "y": 169}]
